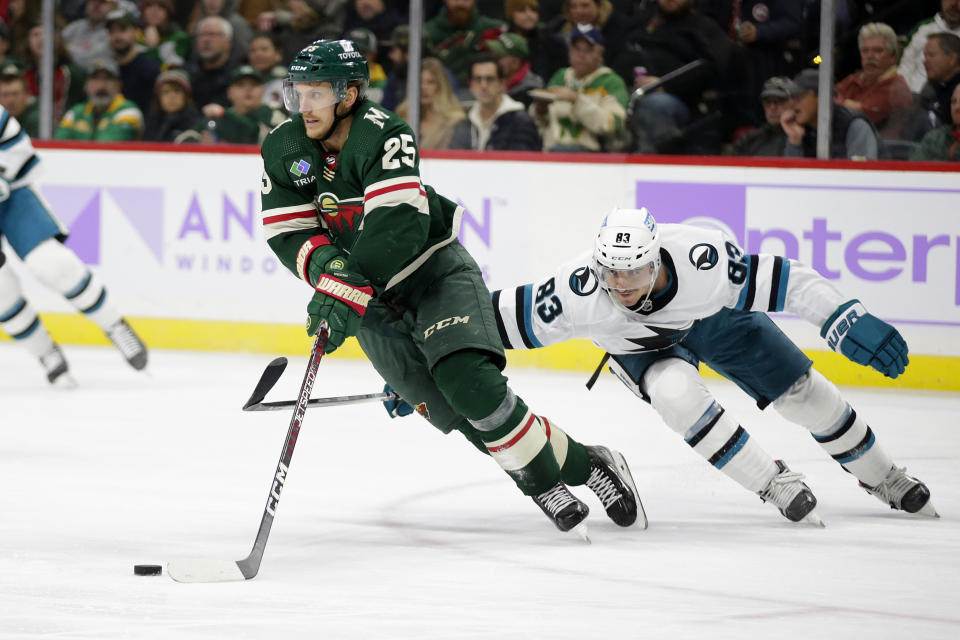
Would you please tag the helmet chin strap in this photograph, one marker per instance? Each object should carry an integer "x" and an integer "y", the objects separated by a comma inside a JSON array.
[{"x": 337, "y": 119}]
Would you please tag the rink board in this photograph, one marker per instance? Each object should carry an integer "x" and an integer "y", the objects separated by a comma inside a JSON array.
[{"x": 177, "y": 238}]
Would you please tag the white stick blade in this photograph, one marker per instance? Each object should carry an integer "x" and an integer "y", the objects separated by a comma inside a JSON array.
[{"x": 204, "y": 571}]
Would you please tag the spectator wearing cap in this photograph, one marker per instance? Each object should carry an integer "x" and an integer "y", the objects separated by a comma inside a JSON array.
[
  {"x": 303, "y": 22},
  {"x": 602, "y": 15},
  {"x": 912, "y": 66},
  {"x": 877, "y": 90},
  {"x": 366, "y": 43},
  {"x": 375, "y": 16},
  {"x": 514, "y": 61},
  {"x": 667, "y": 35},
  {"x": 210, "y": 72},
  {"x": 16, "y": 99},
  {"x": 247, "y": 120},
  {"x": 138, "y": 71},
  {"x": 495, "y": 121},
  {"x": 240, "y": 31},
  {"x": 457, "y": 33},
  {"x": 587, "y": 108},
  {"x": 852, "y": 134},
  {"x": 173, "y": 112},
  {"x": 86, "y": 38},
  {"x": 395, "y": 90},
  {"x": 165, "y": 41},
  {"x": 768, "y": 139},
  {"x": 546, "y": 52},
  {"x": 943, "y": 143},
  {"x": 68, "y": 78},
  {"x": 106, "y": 116},
  {"x": 265, "y": 56}
]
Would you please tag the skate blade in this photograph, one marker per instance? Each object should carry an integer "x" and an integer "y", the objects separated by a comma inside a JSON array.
[
  {"x": 621, "y": 463},
  {"x": 64, "y": 381},
  {"x": 928, "y": 510},
  {"x": 813, "y": 519},
  {"x": 581, "y": 530}
]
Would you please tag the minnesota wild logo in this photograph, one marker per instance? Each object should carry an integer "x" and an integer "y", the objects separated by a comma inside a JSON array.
[
  {"x": 299, "y": 168},
  {"x": 340, "y": 216}
]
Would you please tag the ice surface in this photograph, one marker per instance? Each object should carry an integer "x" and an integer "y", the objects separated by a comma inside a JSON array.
[{"x": 388, "y": 529}]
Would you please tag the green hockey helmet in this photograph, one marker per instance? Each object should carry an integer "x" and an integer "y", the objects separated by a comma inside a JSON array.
[{"x": 335, "y": 61}]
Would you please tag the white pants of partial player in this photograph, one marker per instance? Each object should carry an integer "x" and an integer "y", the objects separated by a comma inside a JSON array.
[{"x": 679, "y": 395}]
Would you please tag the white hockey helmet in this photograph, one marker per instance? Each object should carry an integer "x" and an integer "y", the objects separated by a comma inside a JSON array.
[{"x": 626, "y": 254}]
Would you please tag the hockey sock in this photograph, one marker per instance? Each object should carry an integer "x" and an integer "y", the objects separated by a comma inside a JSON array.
[
  {"x": 816, "y": 404},
  {"x": 60, "y": 269},
  {"x": 512, "y": 434},
  {"x": 572, "y": 456},
  {"x": 678, "y": 394},
  {"x": 18, "y": 319}
]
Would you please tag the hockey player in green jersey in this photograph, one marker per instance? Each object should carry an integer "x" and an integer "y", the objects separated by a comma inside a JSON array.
[{"x": 344, "y": 209}]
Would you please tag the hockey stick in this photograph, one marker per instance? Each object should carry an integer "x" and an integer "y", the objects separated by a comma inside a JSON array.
[
  {"x": 332, "y": 401},
  {"x": 273, "y": 372},
  {"x": 239, "y": 570}
]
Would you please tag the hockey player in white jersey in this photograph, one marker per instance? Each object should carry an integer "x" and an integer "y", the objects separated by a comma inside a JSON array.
[
  {"x": 35, "y": 234},
  {"x": 662, "y": 298}
]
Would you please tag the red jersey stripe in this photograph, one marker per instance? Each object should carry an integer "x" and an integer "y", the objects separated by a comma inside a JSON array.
[
  {"x": 312, "y": 213},
  {"x": 396, "y": 187}
]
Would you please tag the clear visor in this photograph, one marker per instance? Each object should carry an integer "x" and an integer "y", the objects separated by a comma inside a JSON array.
[
  {"x": 299, "y": 97},
  {"x": 641, "y": 279}
]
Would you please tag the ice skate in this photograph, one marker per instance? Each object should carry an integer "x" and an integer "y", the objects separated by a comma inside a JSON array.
[
  {"x": 611, "y": 480},
  {"x": 132, "y": 348},
  {"x": 903, "y": 492},
  {"x": 55, "y": 365},
  {"x": 566, "y": 511},
  {"x": 791, "y": 496}
]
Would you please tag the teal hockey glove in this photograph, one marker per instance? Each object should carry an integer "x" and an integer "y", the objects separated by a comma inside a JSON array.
[
  {"x": 340, "y": 301},
  {"x": 866, "y": 339},
  {"x": 396, "y": 407}
]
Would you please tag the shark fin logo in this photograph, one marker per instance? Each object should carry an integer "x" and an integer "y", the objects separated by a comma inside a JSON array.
[{"x": 704, "y": 256}]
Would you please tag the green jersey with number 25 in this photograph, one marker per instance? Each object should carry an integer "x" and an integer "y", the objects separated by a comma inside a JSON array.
[{"x": 367, "y": 199}]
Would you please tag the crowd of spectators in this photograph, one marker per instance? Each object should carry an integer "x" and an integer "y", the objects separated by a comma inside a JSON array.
[{"x": 735, "y": 77}]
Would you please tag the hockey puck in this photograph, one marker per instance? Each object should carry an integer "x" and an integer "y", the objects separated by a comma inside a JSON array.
[{"x": 147, "y": 569}]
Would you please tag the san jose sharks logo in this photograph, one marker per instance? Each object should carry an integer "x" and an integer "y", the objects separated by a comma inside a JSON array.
[
  {"x": 583, "y": 282},
  {"x": 340, "y": 215},
  {"x": 704, "y": 256}
]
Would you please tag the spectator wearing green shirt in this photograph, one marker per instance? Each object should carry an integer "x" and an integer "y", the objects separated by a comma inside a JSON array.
[
  {"x": 943, "y": 143},
  {"x": 457, "y": 33},
  {"x": 106, "y": 116},
  {"x": 584, "y": 105},
  {"x": 247, "y": 120},
  {"x": 166, "y": 41}
]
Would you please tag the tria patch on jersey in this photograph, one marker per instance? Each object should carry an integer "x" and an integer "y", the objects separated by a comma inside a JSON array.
[
  {"x": 704, "y": 256},
  {"x": 300, "y": 168},
  {"x": 422, "y": 410}
]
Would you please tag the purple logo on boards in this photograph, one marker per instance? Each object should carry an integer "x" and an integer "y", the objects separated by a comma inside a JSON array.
[
  {"x": 79, "y": 208},
  {"x": 723, "y": 206}
]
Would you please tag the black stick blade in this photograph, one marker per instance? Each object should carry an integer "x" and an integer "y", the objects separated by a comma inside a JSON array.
[{"x": 269, "y": 378}]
